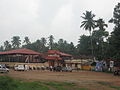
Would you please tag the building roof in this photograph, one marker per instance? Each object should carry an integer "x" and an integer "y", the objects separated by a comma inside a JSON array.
[
  {"x": 53, "y": 58},
  {"x": 64, "y": 54},
  {"x": 52, "y": 51},
  {"x": 60, "y": 53},
  {"x": 20, "y": 51}
]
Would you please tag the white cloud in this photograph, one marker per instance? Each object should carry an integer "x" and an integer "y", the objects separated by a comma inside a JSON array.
[
  {"x": 40, "y": 18},
  {"x": 62, "y": 22}
]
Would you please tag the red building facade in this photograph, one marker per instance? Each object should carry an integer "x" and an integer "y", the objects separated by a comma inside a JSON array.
[{"x": 56, "y": 58}]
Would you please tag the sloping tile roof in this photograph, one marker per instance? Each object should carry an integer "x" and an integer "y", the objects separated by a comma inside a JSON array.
[
  {"x": 53, "y": 58},
  {"x": 60, "y": 53},
  {"x": 21, "y": 51}
]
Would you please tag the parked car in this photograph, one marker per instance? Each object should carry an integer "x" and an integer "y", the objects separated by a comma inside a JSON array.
[
  {"x": 21, "y": 67},
  {"x": 3, "y": 68},
  {"x": 66, "y": 69},
  {"x": 57, "y": 68}
]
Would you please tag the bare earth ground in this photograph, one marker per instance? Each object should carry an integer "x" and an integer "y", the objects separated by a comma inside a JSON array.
[{"x": 84, "y": 79}]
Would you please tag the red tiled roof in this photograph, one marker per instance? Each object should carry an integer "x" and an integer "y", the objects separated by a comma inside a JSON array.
[
  {"x": 52, "y": 51},
  {"x": 21, "y": 51},
  {"x": 64, "y": 54},
  {"x": 53, "y": 58},
  {"x": 60, "y": 53}
]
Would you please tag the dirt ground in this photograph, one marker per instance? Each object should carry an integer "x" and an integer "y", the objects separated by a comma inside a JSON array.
[{"x": 84, "y": 79}]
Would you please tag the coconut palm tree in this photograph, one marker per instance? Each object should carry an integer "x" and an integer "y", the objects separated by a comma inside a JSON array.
[
  {"x": 26, "y": 40},
  {"x": 7, "y": 45},
  {"x": 101, "y": 33},
  {"x": 1, "y": 48},
  {"x": 51, "y": 41},
  {"x": 88, "y": 24},
  {"x": 100, "y": 24},
  {"x": 16, "y": 42},
  {"x": 43, "y": 41}
]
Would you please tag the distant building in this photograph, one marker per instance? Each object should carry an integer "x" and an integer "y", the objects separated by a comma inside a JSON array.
[
  {"x": 56, "y": 58},
  {"x": 20, "y": 55}
]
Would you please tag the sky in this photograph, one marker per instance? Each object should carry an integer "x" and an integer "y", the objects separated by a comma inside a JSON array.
[{"x": 41, "y": 18}]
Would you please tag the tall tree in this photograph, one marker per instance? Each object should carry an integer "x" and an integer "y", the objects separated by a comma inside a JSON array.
[
  {"x": 44, "y": 48},
  {"x": 84, "y": 45},
  {"x": 7, "y": 46},
  {"x": 1, "y": 48},
  {"x": 60, "y": 41},
  {"x": 61, "y": 45},
  {"x": 89, "y": 24},
  {"x": 114, "y": 40},
  {"x": 51, "y": 41},
  {"x": 101, "y": 24},
  {"x": 99, "y": 36},
  {"x": 16, "y": 42},
  {"x": 38, "y": 45},
  {"x": 26, "y": 40},
  {"x": 99, "y": 43},
  {"x": 43, "y": 41},
  {"x": 72, "y": 49}
]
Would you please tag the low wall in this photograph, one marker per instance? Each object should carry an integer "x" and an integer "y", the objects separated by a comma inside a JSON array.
[{"x": 11, "y": 64}]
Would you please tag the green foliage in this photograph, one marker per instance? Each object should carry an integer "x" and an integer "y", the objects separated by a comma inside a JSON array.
[
  {"x": 99, "y": 44},
  {"x": 7, "y": 46},
  {"x": 1, "y": 48},
  {"x": 26, "y": 40},
  {"x": 88, "y": 23},
  {"x": 31, "y": 86},
  {"x": 41, "y": 45},
  {"x": 101, "y": 24},
  {"x": 7, "y": 83},
  {"x": 51, "y": 42},
  {"x": 114, "y": 40},
  {"x": 109, "y": 85},
  {"x": 115, "y": 87},
  {"x": 16, "y": 42},
  {"x": 95, "y": 42},
  {"x": 84, "y": 45}
]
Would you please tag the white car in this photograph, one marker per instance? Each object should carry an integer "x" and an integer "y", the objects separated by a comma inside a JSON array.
[
  {"x": 21, "y": 67},
  {"x": 3, "y": 68}
]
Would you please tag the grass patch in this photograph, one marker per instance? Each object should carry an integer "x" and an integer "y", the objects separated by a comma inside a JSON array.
[
  {"x": 108, "y": 72},
  {"x": 7, "y": 83},
  {"x": 60, "y": 85},
  {"x": 109, "y": 85},
  {"x": 104, "y": 83},
  {"x": 64, "y": 86},
  {"x": 115, "y": 87}
]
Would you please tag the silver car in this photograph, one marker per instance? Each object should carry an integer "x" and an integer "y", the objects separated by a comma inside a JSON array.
[{"x": 3, "y": 68}]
